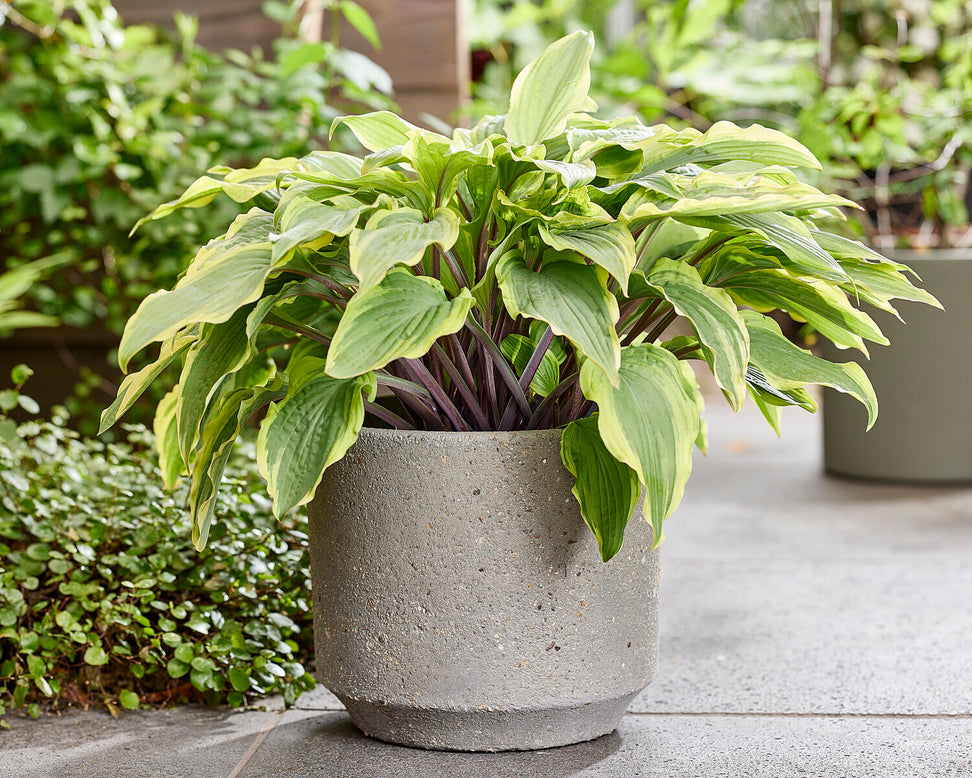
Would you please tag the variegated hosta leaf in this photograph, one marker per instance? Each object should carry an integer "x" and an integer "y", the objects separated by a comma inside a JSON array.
[
  {"x": 307, "y": 222},
  {"x": 378, "y": 130},
  {"x": 220, "y": 350},
  {"x": 399, "y": 318},
  {"x": 872, "y": 277},
  {"x": 650, "y": 421},
  {"x": 226, "y": 275},
  {"x": 439, "y": 161},
  {"x": 715, "y": 319},
  {"x": 398, "y": 237},
  {"x": 724, "y": 142},
  {"x": 550, "y": 89},
  {"x": 787, "y": 233},
  {"x": 171, "y": 462},
  {"x": 519, "y": 348},
  {"x": 788, "y": 367},
  {"x": 607, "y": 490},
  {"x": 216, "y": 444},
  {"x": 824, "y": 307},
  {"x": 714, "y": 193},
  {"x": 240, "y": 185},
  {"x": 310, "y": 429},
  {"x": 135, "y": 384},
  {"x": 569, "y": 296},
  {"x": 572, "y": 174},
  {"x": 609, "y": 245}
]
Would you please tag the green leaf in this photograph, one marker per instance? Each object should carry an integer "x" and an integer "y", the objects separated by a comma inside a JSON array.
[
  {"x": 95, "y": 656},
  {"x": 311, "y": 428},
  {"x": 359, "y": 19},
  {"x": 378, "y": 130},
  {"x": 569, "y": 296},
  {"x": 550, "y": 89},
  {"x": 176, "y": 668},
  {"x": 220, "y": 350},
  {"x": 216, "y": 444},
  {"x": 715, "y": 319},
  {"x": 572, "y": 174},
  {"x": 307, "y": 222},
  {"x": 724, "y": 142},
  {"x": 239, "y": 678},
  {"x": 607, "y": 490},
  {"x": 240, "y": 185},
  {"x": 135, "y": 384},
  {"x": 650, "y": 421},
  {"x": 439, "y": 161},
  {"x": 824, "y": 307},
  {"x": 165, "y": 428},
  {"x": 227, "y": 274},
  {"x": 771, "y": 412},
  {"x": 608, "y": 245},
  {"x": 787, "y": 366},
  {"x": 401, "y": 317},
  {"x": 128, "y": 699},
  {"x": 312, "y": 53},
  {"x": 519, "y": 348},
  {"x": 398, "y": 237},
  {"x": 711, "y": 193}
]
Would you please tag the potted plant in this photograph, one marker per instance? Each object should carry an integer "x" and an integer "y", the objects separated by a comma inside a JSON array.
[
  {"x": 508, "y": 287},
  {"x": 892, "y": 124}
]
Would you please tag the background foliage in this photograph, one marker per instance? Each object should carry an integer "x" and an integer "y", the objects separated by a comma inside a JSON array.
[
  {"x": 881, "y": 92},
  {"x": 100, "y": 122}
]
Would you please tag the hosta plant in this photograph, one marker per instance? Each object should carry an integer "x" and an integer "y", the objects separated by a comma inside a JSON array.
[{"x": 518, "y": 275}]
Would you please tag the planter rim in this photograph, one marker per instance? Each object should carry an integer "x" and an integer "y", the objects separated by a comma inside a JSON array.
[
  {"x": 455, "y": 434},
  {"x": 920, "y": 255}
]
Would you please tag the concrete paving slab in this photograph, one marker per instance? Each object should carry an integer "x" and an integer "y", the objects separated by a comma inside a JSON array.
[
  {"x": 784, "y": 590},
  {"x": 814, "y": 637},
  {"x": 757, "y": 496},
  {"x": 187, "y": 742},
  {"x": 306, "y": 744}
]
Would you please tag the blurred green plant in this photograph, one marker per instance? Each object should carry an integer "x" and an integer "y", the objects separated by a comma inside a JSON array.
[
  {"x": 104, "y": 600},
  {"x": 99, "y": 122},
  {"x": 879, "y": 90},
  {"x": 892, "y": 121},
  {"x": 666, "y": 60},
  {"x": 13, "y": 285}
]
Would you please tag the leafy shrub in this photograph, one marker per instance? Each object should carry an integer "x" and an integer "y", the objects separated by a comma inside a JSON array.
[
  {"x": 103, "y": 599},
  {"x": 99, "y": 122}
]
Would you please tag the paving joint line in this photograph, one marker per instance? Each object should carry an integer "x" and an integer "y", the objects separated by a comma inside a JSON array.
[
  {"x": 793, "y": 715},
  {"x": 258, "y": 741}
]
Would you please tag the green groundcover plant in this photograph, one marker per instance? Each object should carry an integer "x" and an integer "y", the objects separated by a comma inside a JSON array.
[
  {"x": 104, "y": 600},
  {"x": 521, "y": 274}
]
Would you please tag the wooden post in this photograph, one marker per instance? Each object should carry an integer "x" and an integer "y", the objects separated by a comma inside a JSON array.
[{"x": 424, "y": 50}]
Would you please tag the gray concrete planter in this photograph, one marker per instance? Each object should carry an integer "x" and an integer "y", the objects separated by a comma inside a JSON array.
[
  {"x": 459, "y": 599},
  {"x": 924, "y": 427}
]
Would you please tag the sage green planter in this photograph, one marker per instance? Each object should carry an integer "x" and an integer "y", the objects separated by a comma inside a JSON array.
[
  {"x": 460, "y": 602},
  {"x": 924, "y": 428}
]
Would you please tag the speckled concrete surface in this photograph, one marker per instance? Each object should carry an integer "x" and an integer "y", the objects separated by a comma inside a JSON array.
[
  {"x": 809, "y": 627},
  {"x": 461, "y": 602}
]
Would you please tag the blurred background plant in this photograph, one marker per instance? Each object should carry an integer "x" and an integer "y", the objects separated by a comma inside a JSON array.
[
  {"x": 879, "y": 90},
  {"x": 100, "y": 122}
]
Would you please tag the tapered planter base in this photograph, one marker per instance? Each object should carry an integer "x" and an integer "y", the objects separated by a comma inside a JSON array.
[
  {"x": 460, "y": 601},
  {"x": 487, "y": 730}
]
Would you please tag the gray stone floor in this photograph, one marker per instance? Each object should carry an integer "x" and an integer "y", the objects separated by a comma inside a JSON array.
[{"x": 810, "y": 627}]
